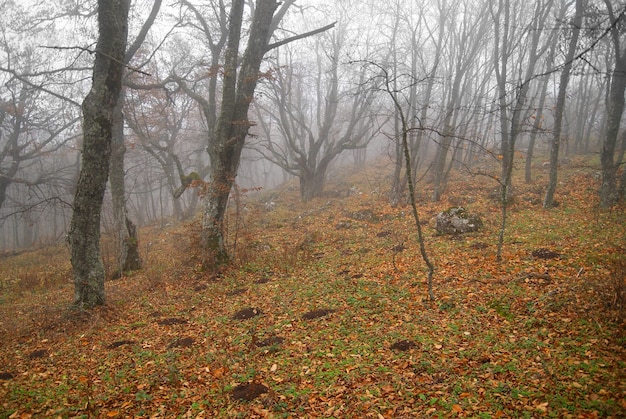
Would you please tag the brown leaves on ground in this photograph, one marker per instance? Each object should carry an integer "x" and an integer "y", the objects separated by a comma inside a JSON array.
[{"x": 534, "y": 336}]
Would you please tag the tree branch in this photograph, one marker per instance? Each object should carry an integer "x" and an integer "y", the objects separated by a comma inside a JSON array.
[{"x": 301, "y": 36}]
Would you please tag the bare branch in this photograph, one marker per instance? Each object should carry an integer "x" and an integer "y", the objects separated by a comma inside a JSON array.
[
  {"x": 301, "y": 36},
  {"x": 28, "y": 208},
  {"x": 90, "y": 51},
  {"x": 43, "y": 89}
]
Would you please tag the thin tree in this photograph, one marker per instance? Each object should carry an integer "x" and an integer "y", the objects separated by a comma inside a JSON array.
[
  {"x": 506, "y": 37},
  {"x": 98, "y": 107},
  {"x": 548, "y": 201},
  {"x": 388, "y": 84}
]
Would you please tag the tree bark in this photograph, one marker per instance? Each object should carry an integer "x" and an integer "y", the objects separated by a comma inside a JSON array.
[{"x": 98, "y": 107}]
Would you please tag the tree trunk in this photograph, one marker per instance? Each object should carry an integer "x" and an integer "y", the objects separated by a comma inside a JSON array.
[
  {"x": 548, "y": 201},
  {"x": 395, "y": 195},
  {"x": 98, "y": 107},
  {"x": 127, "y": 257},
  {"x": 312, "y": 182},
  {"x": 537, "y": 125},
  {"x": 127, "y": 248},
  {"x": 439, "y": 177},
  {"x": 407, "y": 157},
  {"x": 608, "y": 188},
  {"x": 232, "y": 126}
]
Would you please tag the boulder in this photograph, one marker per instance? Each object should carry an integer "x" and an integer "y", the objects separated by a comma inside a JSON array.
[{"x": 457, "y": 220}]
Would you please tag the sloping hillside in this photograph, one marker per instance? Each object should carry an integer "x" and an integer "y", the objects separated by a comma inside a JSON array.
[{"x": 324, "y": 313}]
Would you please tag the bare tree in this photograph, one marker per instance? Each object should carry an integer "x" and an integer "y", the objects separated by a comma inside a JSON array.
[
  {"x": 318, "y": 116},
  {"x": 239, "y": 82},
  {"x": 98, "y": 108},
  {"x": 28, "y": 132},
  {"x": 512, "y": 106},
  {"x": 391, "y": 89},
  {"x": 415, "y": 50},
  {"x": 560, "y": 104},
  {"x": 38, "y": 125},
  {"x": 466, "y": 38},
  {"x": 162, "y": 124},
  {"x": 35, "y": 119}
]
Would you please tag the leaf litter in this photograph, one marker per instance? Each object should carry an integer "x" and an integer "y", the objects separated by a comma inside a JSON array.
[{"x": 530, "y": 337}]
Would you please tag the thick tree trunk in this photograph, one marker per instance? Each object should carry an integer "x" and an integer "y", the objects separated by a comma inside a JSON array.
[
  {"x": 4, "y": 185},
  {"x": 6, "y": 176},
  {"x": 312, "y": 183},
  {"x": 98, "y": 106}
]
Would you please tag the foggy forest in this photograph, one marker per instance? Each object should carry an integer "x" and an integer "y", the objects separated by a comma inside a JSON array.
[
  {"x": 470, "y": 76},
  {"x": 159, "y": 157}
]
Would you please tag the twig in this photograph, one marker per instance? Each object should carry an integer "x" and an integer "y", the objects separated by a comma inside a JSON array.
[{"x": 91, "y": 51}]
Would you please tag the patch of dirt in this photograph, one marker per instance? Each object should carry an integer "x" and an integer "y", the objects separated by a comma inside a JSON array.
[
  {"x": 5, "y": 375},
  {"x": 39, "y": 353},
  {"x": 544, "y": 253},
  {"x": 262, "y": 281},
  {"x": 314, "y": 314},
  {"x": 272, "y": 340},
  {"x": 398, "y": 248},
  {"x": 186, "y": 342},
  {"x": 247, "y": 313},
  {"x": 169, "y": 321},
  {"x": 119, "y": 343},
  {"x": 249, "y": 391},
  {"x": 403, "y": 345}
]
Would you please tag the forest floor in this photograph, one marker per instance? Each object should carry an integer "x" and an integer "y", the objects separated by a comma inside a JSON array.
[{"x": 325, "y": 313}]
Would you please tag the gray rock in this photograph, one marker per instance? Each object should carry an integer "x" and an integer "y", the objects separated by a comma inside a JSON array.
[{"x": 457, "y": 220}]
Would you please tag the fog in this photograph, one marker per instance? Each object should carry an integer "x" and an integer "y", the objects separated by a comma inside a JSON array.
[{"x": 468, "y": 76}]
